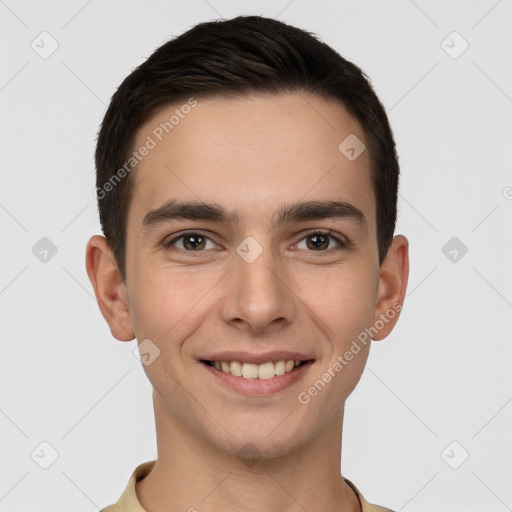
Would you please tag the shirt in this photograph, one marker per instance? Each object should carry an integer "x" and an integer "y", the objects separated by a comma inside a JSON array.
[{"x": 128, "y": 501}]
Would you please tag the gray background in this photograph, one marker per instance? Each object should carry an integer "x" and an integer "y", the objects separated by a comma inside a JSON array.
[{"x": 444, "y": 373}]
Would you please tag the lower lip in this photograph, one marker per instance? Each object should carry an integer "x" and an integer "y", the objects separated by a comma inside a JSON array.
[{"x": 259, "y": 387}]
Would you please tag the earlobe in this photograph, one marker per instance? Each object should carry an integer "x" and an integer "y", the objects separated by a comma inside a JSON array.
[
  {"x": 394, "y": 274},
  {"x": 109, "y": 288}
]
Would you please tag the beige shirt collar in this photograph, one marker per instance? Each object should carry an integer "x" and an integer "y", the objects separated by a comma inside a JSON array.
[{"x": 128, "y": 501}]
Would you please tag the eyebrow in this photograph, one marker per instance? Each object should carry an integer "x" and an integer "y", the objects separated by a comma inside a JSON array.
[{"x": 287, "y": 213}]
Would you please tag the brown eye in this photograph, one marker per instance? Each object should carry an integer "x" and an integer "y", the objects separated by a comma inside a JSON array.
[
  {"x": 191, "y": 242},
  {"x": 317, "y": 241},
  {"x": 322, "y": 242}
]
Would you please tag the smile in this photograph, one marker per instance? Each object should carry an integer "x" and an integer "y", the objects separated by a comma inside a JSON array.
[
  {"x": 263, "y": 371},
  {"x": 257, "y": 379}
]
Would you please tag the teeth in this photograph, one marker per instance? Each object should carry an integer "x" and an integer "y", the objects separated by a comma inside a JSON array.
[
  {"x": 289, "y": 365},
  {"x": 279, "y": 367},
  {"x": 236, "y": 368},
  {"x": 250, "y": 371},
  {"x": 266, "y": 371},
  {"x": 257, "y": 371}
]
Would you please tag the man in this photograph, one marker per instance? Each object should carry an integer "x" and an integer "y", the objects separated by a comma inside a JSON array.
[{"x": 247, "y": 185}]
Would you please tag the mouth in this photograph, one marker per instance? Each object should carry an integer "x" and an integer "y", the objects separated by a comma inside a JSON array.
[
  {"x": 256, "y": 375},
  {"x": 262, "y": 371}
]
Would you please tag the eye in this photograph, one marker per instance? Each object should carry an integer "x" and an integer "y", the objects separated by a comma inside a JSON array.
[
  {"x": 191, "y": 242},
  {"x": 320, "y": 241}
]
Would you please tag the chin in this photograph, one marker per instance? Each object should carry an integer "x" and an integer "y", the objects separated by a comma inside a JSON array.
[{"x": 252, "y": 443}]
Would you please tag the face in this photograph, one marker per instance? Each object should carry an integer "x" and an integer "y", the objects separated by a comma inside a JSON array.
[{"x": 274, "y": 259}]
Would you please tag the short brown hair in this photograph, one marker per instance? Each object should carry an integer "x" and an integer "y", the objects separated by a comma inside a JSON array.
[{"x": 233, "y": 57}]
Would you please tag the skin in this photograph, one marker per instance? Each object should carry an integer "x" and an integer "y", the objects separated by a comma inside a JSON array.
[{"x": 252, "y": 154}]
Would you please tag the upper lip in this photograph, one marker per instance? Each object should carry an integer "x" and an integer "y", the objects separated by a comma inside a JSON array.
[{"x": 250, "y": 357}]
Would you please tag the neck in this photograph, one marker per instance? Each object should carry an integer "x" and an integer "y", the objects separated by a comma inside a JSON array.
[{"x": 193, "y": 474}]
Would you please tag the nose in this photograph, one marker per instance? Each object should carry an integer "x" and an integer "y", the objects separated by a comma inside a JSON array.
[{"x": 258, "y": 297}]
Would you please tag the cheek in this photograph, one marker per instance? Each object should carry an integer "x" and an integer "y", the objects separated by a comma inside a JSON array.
[
  {"x": 166, "y": 301},
  {"x": 345, "y": 305},
  {"x": 343, "y": 297}
]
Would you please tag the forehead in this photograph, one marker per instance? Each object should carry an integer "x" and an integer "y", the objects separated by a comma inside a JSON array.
[{"x": 251, "y": 152}]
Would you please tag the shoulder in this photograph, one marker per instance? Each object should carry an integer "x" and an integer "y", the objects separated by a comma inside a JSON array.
[
  {"x": 365, "y": 505},
  {"x": 128, "y": 501}
]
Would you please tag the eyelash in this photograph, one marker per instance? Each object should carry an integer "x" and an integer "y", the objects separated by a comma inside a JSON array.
[{"x": 343, "y": 244}]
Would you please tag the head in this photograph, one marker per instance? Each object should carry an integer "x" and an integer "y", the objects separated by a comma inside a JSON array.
[
  {"x": 222, "y": 132},
  {"x": 237, "y": 57}
]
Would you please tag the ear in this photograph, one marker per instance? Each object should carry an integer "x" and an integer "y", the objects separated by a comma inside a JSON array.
[
  {"x": 394, "y": 273},
  {"x": 109, "y": 288}
]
